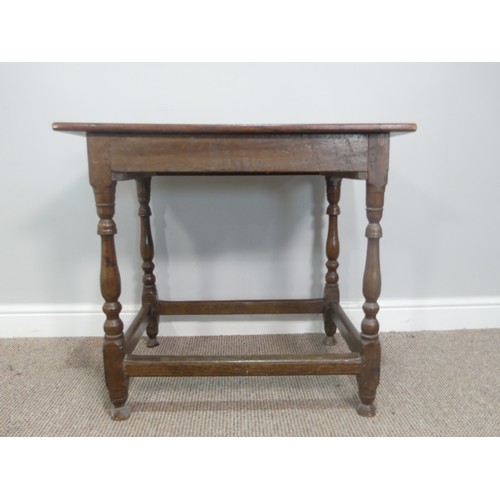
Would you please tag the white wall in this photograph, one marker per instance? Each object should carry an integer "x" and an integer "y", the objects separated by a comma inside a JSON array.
[{"x": 239, "y": 237}]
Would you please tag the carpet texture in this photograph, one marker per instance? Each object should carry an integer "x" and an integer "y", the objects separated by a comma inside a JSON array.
[{"x": 432, "y": 384}]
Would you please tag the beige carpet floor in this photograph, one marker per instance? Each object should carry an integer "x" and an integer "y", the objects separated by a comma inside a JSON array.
[{"x": 432, "y": 384}]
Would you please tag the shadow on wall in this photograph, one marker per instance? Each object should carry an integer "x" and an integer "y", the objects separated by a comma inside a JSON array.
[
  {"x": 66, "y": 228},
  {"x": 269, "y": 233},
  {"x": 412, "y": 255},
  {"x": 239, "y": 237}
]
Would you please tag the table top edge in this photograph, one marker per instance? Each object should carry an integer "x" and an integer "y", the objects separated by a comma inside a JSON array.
[{"x": 193, "y": 129}]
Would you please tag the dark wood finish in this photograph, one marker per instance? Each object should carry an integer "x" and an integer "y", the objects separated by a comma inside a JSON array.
[
  {"x": 136, "y": 328},
  {"x": 225, "y": 366},
  {"x": 174, "y": 128},
  {"x": 338, "y": 151},
  {"x": 194, "y": 307},
  {"x": 254, "y": 154},
  {"x": 368, "y": 379},
  {"x": 331, "y": 293},
  {"x": 348, "y": 331},
  {"x": 149, "y": 292},
  {"x": 113, "y": 347},
  {"x": 104, "y": 188}
]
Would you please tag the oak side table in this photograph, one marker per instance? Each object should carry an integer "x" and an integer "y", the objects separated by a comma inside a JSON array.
[{"x": 118, "y": 152}]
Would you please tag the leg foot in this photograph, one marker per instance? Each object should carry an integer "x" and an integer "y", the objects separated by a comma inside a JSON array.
[
  {"x": 366, "y": 410},
  {"x": 152, "y": 342},
  {"x": 152, "y": 328},
  {"x": 330, "y": 327},
  {"x": 121, "y": 413},
  {"x": 329, "y": 340}
]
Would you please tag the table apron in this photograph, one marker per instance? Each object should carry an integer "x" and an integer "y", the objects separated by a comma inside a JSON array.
[{"x": 249, "y": 154}]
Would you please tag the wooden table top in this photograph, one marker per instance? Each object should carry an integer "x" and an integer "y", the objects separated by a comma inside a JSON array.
[{"x": 203, "y": 129}]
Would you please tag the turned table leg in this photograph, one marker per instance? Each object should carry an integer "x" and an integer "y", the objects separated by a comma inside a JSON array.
[
  {"x": 149, "y": 293},
  {"x": 368, "y": 378},
  {"x": 331, "y": 291},
  {"x": 113, "y": 348}
]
